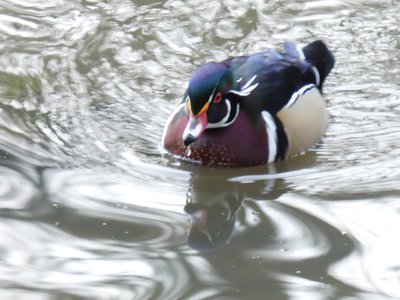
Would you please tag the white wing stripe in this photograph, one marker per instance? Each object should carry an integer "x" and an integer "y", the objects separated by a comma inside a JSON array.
[
  {"x": 248, "y": 90},
  {"x": 249, "y": 82},
  {"x": 317, "y": 77},
  {"x": 296, "y": 95}
]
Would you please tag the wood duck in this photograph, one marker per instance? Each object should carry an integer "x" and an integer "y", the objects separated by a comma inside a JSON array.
[{"x": 252, "y": 110}]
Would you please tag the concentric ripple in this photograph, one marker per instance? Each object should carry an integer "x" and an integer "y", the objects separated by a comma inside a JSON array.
[
  {"x": 17, "y": 192},
  {"x": 67, "y": 266}
]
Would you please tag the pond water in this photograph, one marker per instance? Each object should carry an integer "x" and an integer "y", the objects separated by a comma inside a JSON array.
[{"x": 92, "y": 208}]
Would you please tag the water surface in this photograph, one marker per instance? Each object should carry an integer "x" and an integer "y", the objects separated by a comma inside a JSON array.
[{"x": 92, "y": 208}]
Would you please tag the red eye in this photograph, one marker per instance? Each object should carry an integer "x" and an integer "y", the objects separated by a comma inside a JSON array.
[{"x": 217, "y": 98}]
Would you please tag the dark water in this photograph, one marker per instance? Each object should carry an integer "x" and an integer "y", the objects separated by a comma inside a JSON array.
[{"x": 91, "y": 208}]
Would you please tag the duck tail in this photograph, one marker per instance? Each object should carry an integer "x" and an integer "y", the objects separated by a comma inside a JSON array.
[{"x": 318, "y": 54}]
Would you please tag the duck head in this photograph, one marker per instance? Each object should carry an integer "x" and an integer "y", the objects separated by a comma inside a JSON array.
[{"x": 210, "y": 101}]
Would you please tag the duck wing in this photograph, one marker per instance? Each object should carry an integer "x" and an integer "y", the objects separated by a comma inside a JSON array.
[{"x": 269, "y": 80}]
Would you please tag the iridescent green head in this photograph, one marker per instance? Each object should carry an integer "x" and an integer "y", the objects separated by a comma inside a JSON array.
[
  {"x": 208, "y": 81},
  {"x": 208, "y": 101}
]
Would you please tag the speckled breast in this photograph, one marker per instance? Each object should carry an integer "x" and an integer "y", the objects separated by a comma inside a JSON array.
[{"x": 240, "y": 144}]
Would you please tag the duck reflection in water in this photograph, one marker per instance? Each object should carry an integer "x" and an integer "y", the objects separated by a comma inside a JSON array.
[
  {"x": 214, "y": 203},
  {"x": 211, "y": 224}
]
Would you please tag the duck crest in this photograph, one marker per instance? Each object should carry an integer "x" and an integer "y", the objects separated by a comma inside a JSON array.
[
  {"x": 204, "y": 82},
  {"x": 252, "y": 110}
]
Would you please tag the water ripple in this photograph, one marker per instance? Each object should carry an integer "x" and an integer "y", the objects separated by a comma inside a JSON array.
[
  {"x": 375, "y": 269},
  {"x": 91, "y": 209},
  {"x": 68, "y": 266},
  {"x": 98, "y": 240},
  {"x": 16, "y": 191}
]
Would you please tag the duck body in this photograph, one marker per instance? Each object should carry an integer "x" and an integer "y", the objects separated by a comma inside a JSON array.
[{"x": 252, "y": 110}]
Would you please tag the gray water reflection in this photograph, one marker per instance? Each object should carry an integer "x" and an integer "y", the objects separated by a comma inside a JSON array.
[
  {"x": 67, "y": 244},
  {"x": 268, "y": 243},
  {"x": 91, "y": 208}
]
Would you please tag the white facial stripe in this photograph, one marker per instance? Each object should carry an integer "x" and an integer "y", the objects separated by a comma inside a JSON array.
[
  {"x": 211, "y": 97},
  {"x": 234, "y": 118},
  {"x": 222, "y": 123},
  {"x": 296, "y": 95},
  {"x": 272, "y": 136}
]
